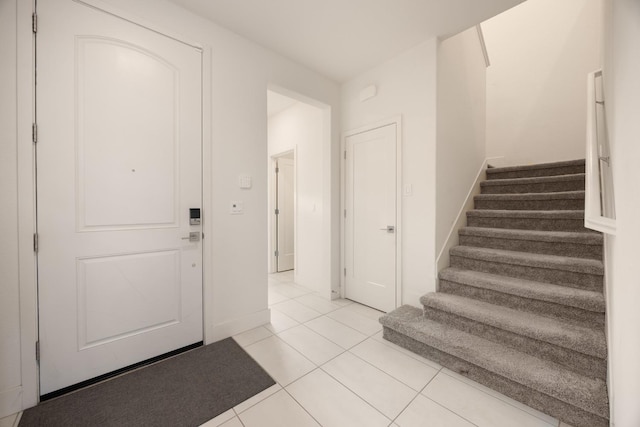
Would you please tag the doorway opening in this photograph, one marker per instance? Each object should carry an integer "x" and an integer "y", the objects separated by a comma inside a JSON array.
[
  {"x": 299, "y": 144},
  {"x": 284, "y": 211}
]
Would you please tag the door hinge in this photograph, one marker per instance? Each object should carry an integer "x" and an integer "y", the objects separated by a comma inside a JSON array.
[
  {"x": 34, "y": 23},
  {"x": 345, "y": 155},
  {"x": 345, "y": 271},
  {"x": 34, "y": 133},
  {"x": 35, "y": 242},
  {"x": 277, "y": 170},
  {"x": 37, "y": 351},
  {"x": 277, "y": 211},
  {"x": 276, "y": 253},
  {"x": 345, "y": 213}
]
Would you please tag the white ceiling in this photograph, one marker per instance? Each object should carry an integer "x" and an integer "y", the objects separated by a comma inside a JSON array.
[{"x": 342, "y": 38}]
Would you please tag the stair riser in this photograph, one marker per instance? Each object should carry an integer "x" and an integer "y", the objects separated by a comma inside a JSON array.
[
  {"x": 539, "y": 187},
  {"x": 573, "y": 315},
  {"x": 531, "y": 205},
  {"x": 581, "y": 363},
  {"x": 541, "y": 224},
  {"x": 533, "y": 246},
  {"x": 533, "y": 173},
  {"x": 590, "y": 282},
  {"x": 535, "y": 399}
]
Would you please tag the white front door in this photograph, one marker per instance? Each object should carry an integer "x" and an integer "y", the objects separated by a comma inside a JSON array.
[
  {"x": 370, "y": 223},
  {"x": 118, "y": 168},
  {"x": 285, "y": 217}
]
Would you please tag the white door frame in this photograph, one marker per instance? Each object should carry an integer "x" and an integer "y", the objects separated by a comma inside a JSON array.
[
  {"x": 397, "y": 120},
  {"x": 273, "y": 184},
  {"x": 29, "y": 389}
]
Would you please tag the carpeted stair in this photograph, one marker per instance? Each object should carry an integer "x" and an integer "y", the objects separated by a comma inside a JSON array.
[{"x": 521, "y": 309}]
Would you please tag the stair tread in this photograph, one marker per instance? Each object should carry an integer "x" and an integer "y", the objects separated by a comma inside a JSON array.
[
  {"x": 532, "y": 196},
  {"x": 534, "y": 214},
  {"x": 533, "y": 180},
  {"x": 577, "y": 338},
  {"x": 556, "y": 262},
  {"x": 589, "y": 394},
  {"x": 550, "y": 165},
  {"x": 572, "y": 297},
  {"x": 535, "y": 235}
]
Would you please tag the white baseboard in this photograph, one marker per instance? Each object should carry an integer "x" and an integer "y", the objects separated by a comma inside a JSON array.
[
  {"x": 239, "y": 325},
  {"x": 442, "y": 261},
  {"x": 10, "y": 401}
]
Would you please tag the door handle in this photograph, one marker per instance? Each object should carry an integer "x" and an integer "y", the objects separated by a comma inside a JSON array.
[
  {"x": 389, "y": 229},
  {"x": 194, "y": 236}
]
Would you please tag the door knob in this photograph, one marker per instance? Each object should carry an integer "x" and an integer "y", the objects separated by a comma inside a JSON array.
[
  {"x": 194, "y": 236},
  {"x": 389, "y": 229}
]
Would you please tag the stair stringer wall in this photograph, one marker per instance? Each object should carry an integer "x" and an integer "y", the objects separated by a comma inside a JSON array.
[{"x": 442, "y": 261}]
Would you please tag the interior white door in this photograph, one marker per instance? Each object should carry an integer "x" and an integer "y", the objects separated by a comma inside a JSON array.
[
  {"x": 285, "y": 217},
  {"x": 370, "y": 223},
  {"x": 119, "y": 167}
]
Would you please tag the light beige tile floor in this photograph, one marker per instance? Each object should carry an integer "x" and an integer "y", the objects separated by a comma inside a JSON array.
[
  {"x": 333, "y": 368},
  {"x": 10, "y": 421}
]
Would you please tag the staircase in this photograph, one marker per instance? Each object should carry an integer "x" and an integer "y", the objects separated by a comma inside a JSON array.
[{"x": 521, "y": 309}]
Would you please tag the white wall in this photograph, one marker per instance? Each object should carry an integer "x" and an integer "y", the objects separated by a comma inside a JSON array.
[
  {"x": 407, "y": 87},
  {"x": 300, "y": 127},
  {"x": 541, "y": 52},
  {"x": 461, "y": 119},
  {"x": 622, "y": 95},
  {"x": 10, "y": 379},
  {"x": 240, "y": 73}
]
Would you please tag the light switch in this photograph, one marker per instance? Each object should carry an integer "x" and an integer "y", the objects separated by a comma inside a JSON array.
[
  {"x": 244, "y": 181},
  {"x": 236, "y": 207},
  {"x": 408, "y": 190}
]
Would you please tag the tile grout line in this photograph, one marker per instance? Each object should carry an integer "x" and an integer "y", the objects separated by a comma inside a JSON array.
[
  {"x": 288, "y": 315},
  {"x": 420, "y": 393},
  {"x": 388, "y": 374},
  {"x": 255, "y": 342},
  {"x": 301, "y": 405},
  {"x": 317, "y": 365},
  {"x": 259, "y": 401},
  {"x": 504, "y": 401},
  {"x": 356, "y": 394},
  {"x": 329, "y": 339},
  {"x": 450, "y": 410},
  {"x": 297, "y": 351},
  {"x": 364, "y": 317},
  {"x": 405, "y": 408},
  {"x": 318, "y": 296},
  {"x": 410, "y": 354}
]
